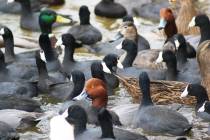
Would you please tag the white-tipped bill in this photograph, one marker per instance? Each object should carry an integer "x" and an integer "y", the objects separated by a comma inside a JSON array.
[
  {"x": 119, "y": 46},
  {"x": 160, "y": 58},
  {"x": 10, "y": 1},
  {"x": 2, "y": 32},
  {"x": 119, "y": 64},
  {"x": 202, "y": 108},
  {"x": 177, "y": 44},
  {"x": 185, "y": 92},
  {"x": 162, "y": 23},
  {"x": 42, "y": 56},
  {"x": 192, "y": 22},
  {"x": 105, "y": 68}
]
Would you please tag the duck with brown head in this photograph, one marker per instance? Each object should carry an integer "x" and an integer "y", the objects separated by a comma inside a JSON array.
[{"x": 186, "y": 12}]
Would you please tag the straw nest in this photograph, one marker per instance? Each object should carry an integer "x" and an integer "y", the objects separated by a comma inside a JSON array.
[{"x": 162, "y": 92}]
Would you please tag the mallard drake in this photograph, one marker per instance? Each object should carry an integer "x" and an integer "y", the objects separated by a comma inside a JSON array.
[
  {"x": 85, "y": 32},
  {"x": 110, "y": 9},
  {"x": 186, "y": 12},
  {"x": 39, "y": 21},
  {"x": 202, "y": 21}
]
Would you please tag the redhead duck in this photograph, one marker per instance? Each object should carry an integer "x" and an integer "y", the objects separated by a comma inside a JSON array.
[
  {"x": 110, "y": 9},
  {"x": 186, "y": 12},
  {"x": 96, "y": 90},
  {"x": 19, "y": 103},
  {"x": 7, "y": 132},
  {"x": 202, "y": 21},
  {"x": 85, "y": 32},
  {"x": 19, "y": 119},
  {"x": 156, "y": 119},
  {"x": 130, "y": 48},
  {"x": 38, "y": 21},
  {"x": 201, "y": 95},
  {"x": 167, "y": 22},
  {"x": 172, "y": 74},
  {"x": 76, "y": 117},
  {"x": 110, "y": 61}
]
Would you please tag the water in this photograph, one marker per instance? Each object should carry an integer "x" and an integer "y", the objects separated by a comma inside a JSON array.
[{"x": 109, "y": 28}]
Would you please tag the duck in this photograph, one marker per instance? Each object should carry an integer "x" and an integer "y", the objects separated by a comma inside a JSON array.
[
  {"x": 127, "y": 30},
  {"x": 202, "y": 21},
  {"x": 39, "y": 21},
  {"x": 7, "y": 132},
  {"x": 201, "y": 95},
  {"x": 167, "y": 22},
  {"x": 173, "y": 74},
  {"x": 110, "y": 61},
  {"x": 130, "y": 48},
  {"x": 53, "y": 2},
  {"x": 15, "y": 8},
  {"x": 150, "y": 10},
  {"x": 75, "y": 120},
  {"x": 95, "y": 89},
  {"x": 110, "y": 9},
  {"x": 19, "y": 119},
  {"x": 156, "y": 119},
  {"x": 85, "y": 32},
  {"x": 48, "y": 54},
  {"x": 186, "y": 12},
  {"x": 19, "y": 103}
]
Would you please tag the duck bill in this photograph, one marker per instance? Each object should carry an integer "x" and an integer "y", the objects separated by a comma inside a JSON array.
[
  {"x": 105, "y": 68},
  {"x": 82, "y": 96},
  {"x": 61, "y": 19},
  {"x": 202, "y": 108},
  {"x": 10, "y": 1},
  {"x": 2, "y": 32},
  {"x": 119, "y": 64},
  {"x": 118, "y": 47},
  {"x": 42, "y": 56},
  {"x": 160, "y": 58},
  {"x": 185, "y": 92},
  {"x": 177, "y": 44},
  {"x": 192, "y": 23},
  {"x": 162, "y": 24}
]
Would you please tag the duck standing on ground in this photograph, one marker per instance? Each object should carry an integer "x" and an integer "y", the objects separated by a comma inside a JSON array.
[
  {"x": 110, "y": 9},
  {"x": 85, "y": 32}
]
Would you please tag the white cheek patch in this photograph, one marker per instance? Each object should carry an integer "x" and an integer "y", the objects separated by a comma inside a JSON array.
[
  {"x": 10, "y": 1},
  {"x": 160, "y": 58},
  {"x": 42, "y": 56},
  {"x": 105, "y": 68},
  {"x": 78, "y": 41},
  {"x": 119, "y": 64},
  {"x": 192, "y": 22},
  {"x": 2, "y": 32},
  {"x": 177, "y": 44},
  {"x": 185, "y": 92},
  {"x": 136, "y": 21},
  {"x": 119, "y": 46},
  {"x": 51, "y": 35},
  {"x": 202, "y": 108}
]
